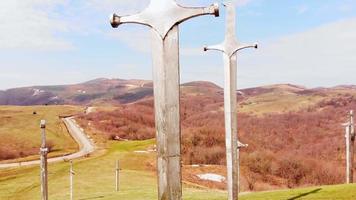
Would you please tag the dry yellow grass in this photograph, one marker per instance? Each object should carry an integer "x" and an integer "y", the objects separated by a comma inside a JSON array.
[{"x": 20, "y": 132}]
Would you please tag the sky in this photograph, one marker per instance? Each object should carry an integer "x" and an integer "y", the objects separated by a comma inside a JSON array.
[{"x": 51, "y": 42}]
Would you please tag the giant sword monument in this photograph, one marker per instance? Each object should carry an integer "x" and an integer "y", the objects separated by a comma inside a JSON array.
[
  {"x": 163, "y": 17},
  {"x": 229, "y": 48}
]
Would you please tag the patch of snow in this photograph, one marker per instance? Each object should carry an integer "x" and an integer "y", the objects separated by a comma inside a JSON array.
[
  {"x": 120, "y": 139},
  {"x": 37, "y": 92},
  {"x": 89, "y": 110},
  {"x": 195, "y": 165},
  {"x": 141, "y": 152},
  {"x": 54, "y": 98},
  {"x": 212, "y": 177},
  {"x": 240, "y": 92},
  {"x": 82, "y": 91},
  {"x": 131, "y": 86}
]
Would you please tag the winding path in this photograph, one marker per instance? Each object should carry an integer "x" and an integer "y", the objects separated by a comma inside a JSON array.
[{"x": 86, "y": 146}]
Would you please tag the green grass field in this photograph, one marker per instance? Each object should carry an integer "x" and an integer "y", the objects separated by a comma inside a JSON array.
[
  {"x": 20, "y": 129},
  {"x": 95, "y": 179}
]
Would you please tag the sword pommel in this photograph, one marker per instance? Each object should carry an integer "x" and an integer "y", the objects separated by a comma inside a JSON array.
[
  {"x": 115, "y": 20},
  {"x": 215, "y": 9},
  {"x": 43, "y": 124}
]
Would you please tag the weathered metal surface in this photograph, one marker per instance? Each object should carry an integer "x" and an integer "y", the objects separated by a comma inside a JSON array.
[
  {"x": 166, "y": 97},
  {"x": 352, "y": 146},
  {"x": 43, "y": 165},
  {"x": 350, "y": 141},
  {"x": 164, "y": 16},
  {"x": 229, "y": 48}
]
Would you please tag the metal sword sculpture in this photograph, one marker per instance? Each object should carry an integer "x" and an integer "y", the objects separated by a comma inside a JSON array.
[
  {"x": 350, "y": 143},
  {"x": 117, "y": 176},
  {"x": 163, "y": 17},
  {"x": 44, "y": 152},
  {"x": 230, "y": 47},
  {"x": 71, "y": 174}
]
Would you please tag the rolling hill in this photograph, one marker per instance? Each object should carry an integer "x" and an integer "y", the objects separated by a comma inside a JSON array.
[
  {"x": 294, "y": 132},
  {"x": 94, "y": 91},
  {"x": 119, "y": 91}
]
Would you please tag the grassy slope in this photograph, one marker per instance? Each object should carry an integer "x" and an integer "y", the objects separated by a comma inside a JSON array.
[
  {"x": 94, "y": 179},
  {"x": 277, "y": 102},
  {"x": 336, "y": 192},
  {"x": 19, "y": 128}
]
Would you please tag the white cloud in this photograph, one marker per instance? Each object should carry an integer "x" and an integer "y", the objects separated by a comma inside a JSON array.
[
  {"x": 124, "y": 7},
  {"x": 30, "y": 25},
  {"x": 241, "y": 2},
  {"x": 322, "y": 56},
  {"x": 302, "y": 9},
  {"x": 192, "y": 51},
  {"x": 136, "y": 38}
]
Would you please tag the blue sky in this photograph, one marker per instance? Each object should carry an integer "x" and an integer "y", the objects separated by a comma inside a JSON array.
[{"x": 304, "y": 42}]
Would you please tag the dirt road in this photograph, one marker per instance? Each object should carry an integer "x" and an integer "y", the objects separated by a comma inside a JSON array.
[{"x": 86, "y": 146}]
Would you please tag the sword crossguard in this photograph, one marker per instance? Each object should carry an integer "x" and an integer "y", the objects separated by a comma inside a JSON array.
[
  {"x": 162, "y": 15},
  {"x": 44, "y": 150},
  {"x": 230, "y": 46},
  {"x": 43, "y": 124},
  {"x": 240, "y": 145},
  {"x": 346, "y": 124}
]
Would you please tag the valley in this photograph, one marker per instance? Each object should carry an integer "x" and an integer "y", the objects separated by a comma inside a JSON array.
[{"x": 294, "y": 134}]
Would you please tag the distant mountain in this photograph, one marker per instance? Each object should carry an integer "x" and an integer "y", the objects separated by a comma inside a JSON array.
[
  {"x": 120, "y": 91},
  {"x": 95, "y": 91}
]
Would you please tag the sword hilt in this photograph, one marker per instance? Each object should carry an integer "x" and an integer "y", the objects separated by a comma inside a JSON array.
[
  {"x": 241, "y": 145},
  {"x": 162, "y": 15},
  {"x": 230, "y": 45}
]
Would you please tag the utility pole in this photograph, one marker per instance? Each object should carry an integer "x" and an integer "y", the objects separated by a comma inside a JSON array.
[
  {"x": 229, "y": 48},
  {"x": 117, "y": 175},
  {"x": 164, "y": 17},
  {"x": 71, "y": 174},
  {"x": 43, "y": 166},
  {"x": 350, "y": 142}
]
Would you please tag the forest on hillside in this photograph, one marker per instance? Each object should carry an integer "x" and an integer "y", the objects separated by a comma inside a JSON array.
[{"x": 288, "y": 149}]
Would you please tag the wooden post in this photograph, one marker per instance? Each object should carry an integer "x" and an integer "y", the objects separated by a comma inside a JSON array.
[
  {"x": 71, "y": 174},
  {"x": 43, "y": 166},
  {"x": 117, "y": 175}
]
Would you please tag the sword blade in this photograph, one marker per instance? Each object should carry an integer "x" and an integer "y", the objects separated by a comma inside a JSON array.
[
  {"x": 167, "y": 119},
  {"x": 232, "y": 162}
]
